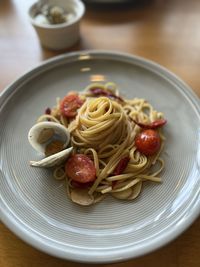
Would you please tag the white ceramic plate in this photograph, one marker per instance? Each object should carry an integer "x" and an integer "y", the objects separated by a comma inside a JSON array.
[{"x": 35, "y": 206}]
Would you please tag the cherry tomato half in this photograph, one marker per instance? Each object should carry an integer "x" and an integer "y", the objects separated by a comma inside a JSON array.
[
  {"x": 69, "y": 105},
  {"x": 148, "y": 142},
  {"x": 80, "y": 168}
]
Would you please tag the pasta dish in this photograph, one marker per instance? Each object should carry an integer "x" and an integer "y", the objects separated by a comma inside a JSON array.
[{"x": 114, "y": 143}]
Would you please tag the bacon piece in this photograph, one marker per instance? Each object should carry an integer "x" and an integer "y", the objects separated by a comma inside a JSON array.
[
  {"x": 99, "y": 91},
  {"x": 47, "y": 111},
  {"x": 121, "y": 166}
]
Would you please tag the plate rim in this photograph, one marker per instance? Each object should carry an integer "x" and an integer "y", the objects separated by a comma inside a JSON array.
[{"x": 13, "y": 223}]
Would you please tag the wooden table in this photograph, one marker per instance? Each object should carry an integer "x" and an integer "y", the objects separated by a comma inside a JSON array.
[{"x": 167, "y": 32}]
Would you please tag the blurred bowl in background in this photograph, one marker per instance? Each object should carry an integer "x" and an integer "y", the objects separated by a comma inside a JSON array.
[{"x": 64, "y": 30}]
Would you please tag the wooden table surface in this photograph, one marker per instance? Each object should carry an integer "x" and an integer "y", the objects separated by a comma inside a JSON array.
[{"x": 166, "y": 31}]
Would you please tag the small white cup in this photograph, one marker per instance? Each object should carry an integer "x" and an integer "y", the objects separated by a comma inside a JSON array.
[{"x": 59, "y": 36}]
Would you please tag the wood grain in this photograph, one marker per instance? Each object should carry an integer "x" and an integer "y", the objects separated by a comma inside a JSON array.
[{"x": 167, "y": 32}]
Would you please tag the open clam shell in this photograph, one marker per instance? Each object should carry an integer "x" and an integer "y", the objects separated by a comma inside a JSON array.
[
  {"x": 42, "y": 133},
  {"x": 53, "y": 160}
]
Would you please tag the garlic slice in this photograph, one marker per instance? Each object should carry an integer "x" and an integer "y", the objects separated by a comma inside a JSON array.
[
  {"x": 125, "y": 194},
  {"x": 81, "y": 197}
]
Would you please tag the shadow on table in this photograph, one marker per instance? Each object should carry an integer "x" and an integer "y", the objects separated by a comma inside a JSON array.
[
  {"x": 116, "y": 13},
  {"x": 105, "y": 14}
]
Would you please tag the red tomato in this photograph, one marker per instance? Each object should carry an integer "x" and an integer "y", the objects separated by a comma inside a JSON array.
[
  {"x": 148, "y": 142},
  {"x": 80, "y": 168},
  {"x": 69, "y": 105},
  {"x": 81, "y": 185}
]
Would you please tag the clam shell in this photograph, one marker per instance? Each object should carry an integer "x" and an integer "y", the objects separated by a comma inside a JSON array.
[
  {"x": 60, "y": 131},
  {"x": 53, "y": 160}
]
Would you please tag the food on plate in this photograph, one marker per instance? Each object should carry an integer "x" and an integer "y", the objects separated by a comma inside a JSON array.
[{"x": 101, "y": 143}]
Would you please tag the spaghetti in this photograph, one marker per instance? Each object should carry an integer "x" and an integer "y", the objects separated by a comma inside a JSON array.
[{"x": 104, "y": 127}]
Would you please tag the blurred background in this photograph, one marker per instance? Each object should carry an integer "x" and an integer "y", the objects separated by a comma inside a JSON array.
[{"x": 165, "y": 31}]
